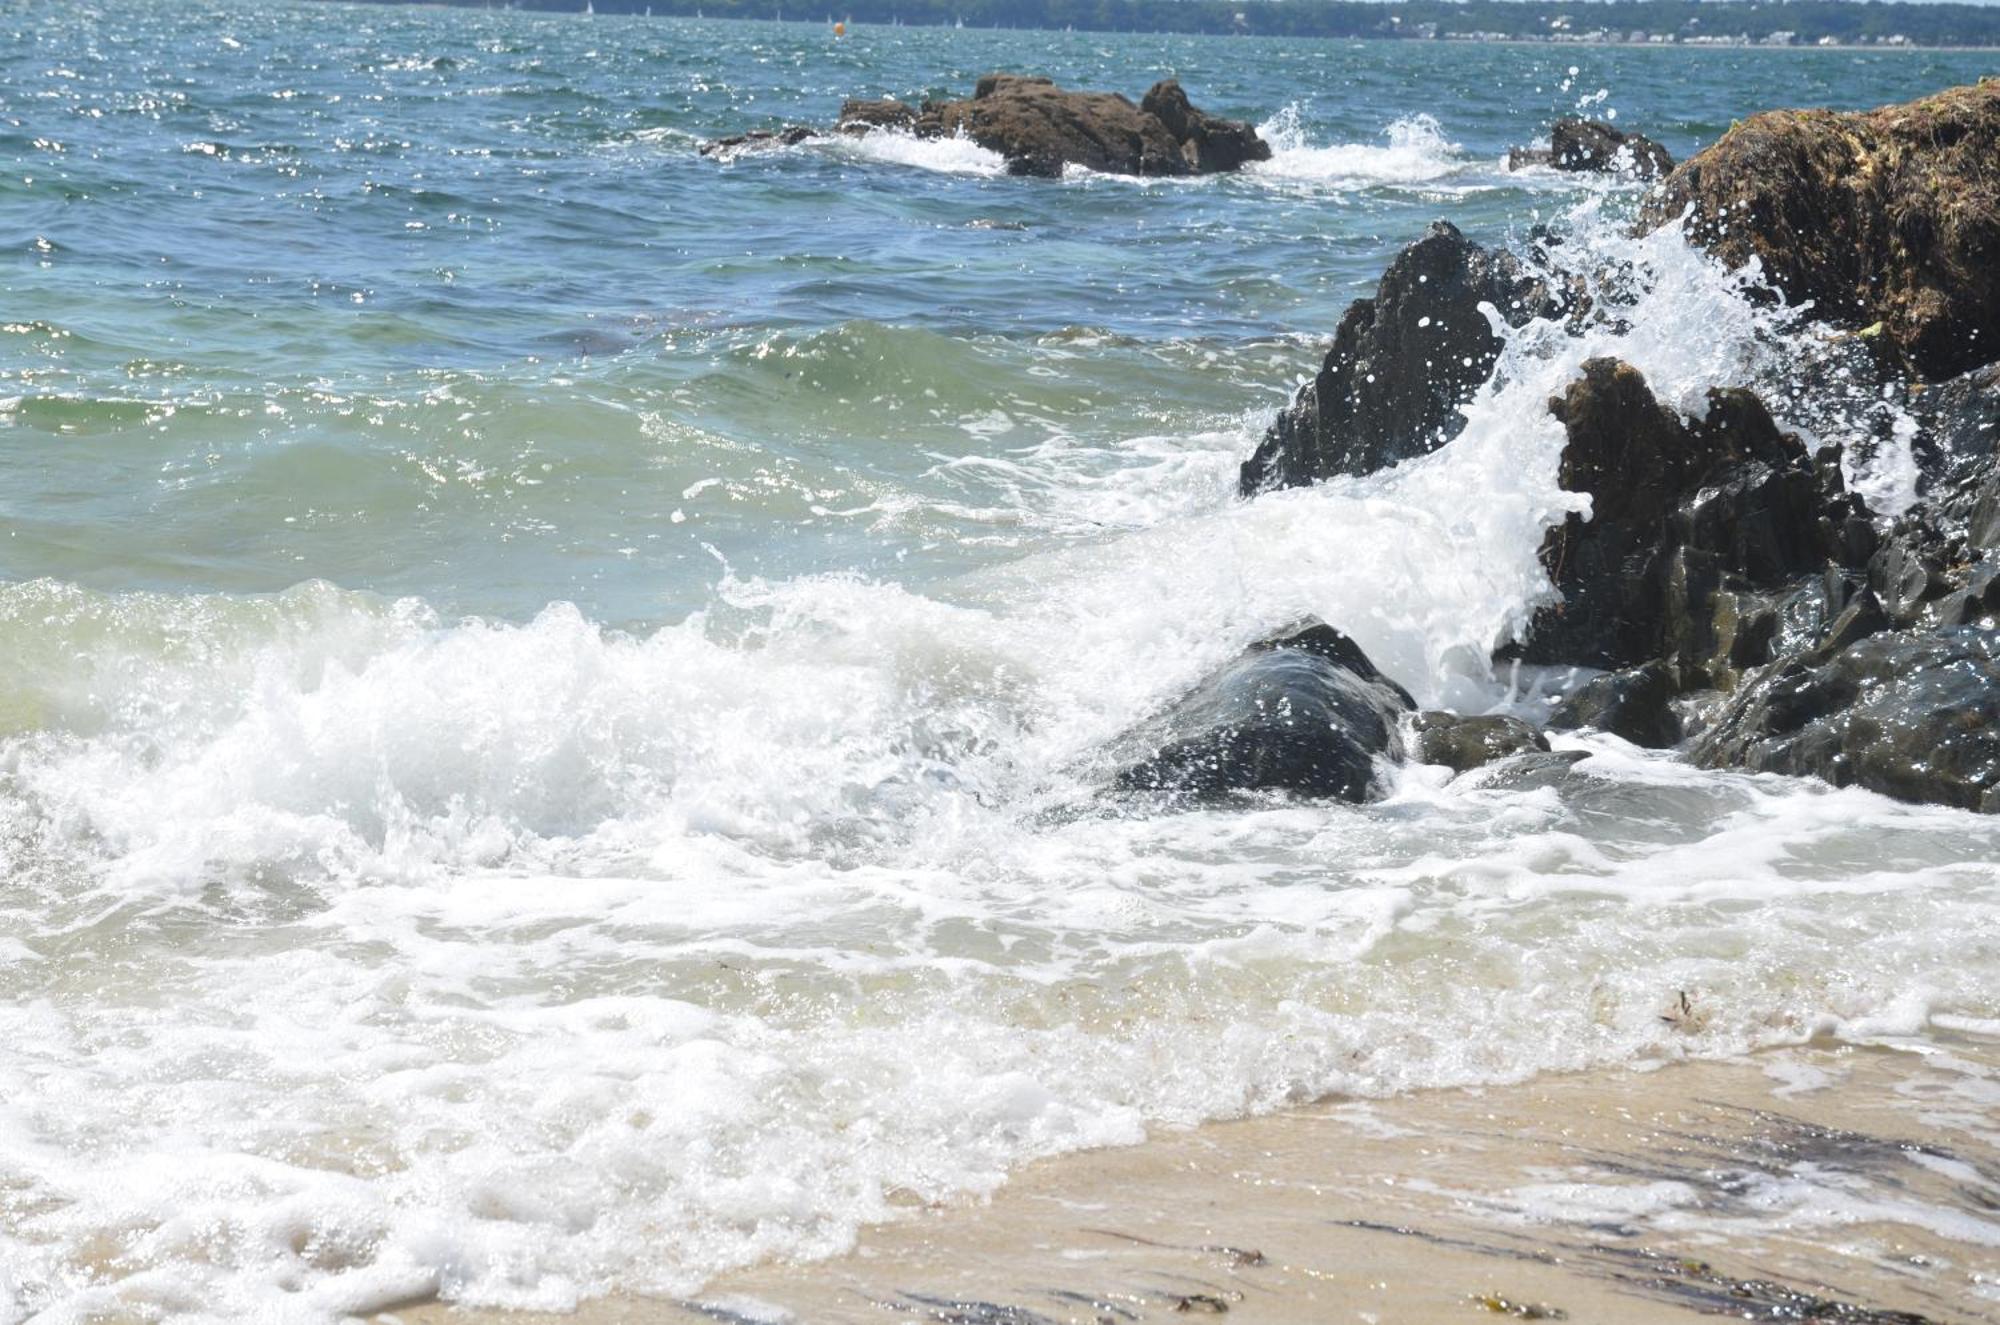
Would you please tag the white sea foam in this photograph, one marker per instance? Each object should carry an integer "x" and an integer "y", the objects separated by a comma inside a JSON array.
[
  {"x": 957, "y": 155},
  {"x": 1416, "y": 152},
  {"x": 353, "y": 954}
]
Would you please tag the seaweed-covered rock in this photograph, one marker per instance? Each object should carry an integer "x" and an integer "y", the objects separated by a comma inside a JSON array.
[
  {"x": 1304, "y": 710},
  {"x": 1403, "y": 364},
  {"x": 1596, "y": 147},
  {"x": 1209, "y": 143},
  {"x": 858, "y": 115},
  {"x": 1683, "y": 512},
  {"x": 1911, "y": 715},
  {"x": 1637, "y": 704},
  {"x": 1463, "y": 743},
  {"x": 1534, "y": 770},
  {"x": 1889, "y": 216},
  {"x": 1041, "y": 128}
]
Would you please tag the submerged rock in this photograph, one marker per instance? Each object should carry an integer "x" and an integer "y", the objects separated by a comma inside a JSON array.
[
  {"x": 1888, "y": 217},
  {"x": 1910, "y": 715},
  {"x": 1464, "y": 743},
  {"x": 1596, "y": 147},
  {"x": 1533, "y": 771},
  {"x": 789, "y": 136},
  {"x": 1303, "y": 711},
  {"x": 1040, "y": 129},
  {"x": 1403, "y": 364}
]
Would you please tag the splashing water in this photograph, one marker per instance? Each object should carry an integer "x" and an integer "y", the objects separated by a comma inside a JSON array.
[
  {"x": 359, "y": 944},
  {"x": 1417, "y": 153}
]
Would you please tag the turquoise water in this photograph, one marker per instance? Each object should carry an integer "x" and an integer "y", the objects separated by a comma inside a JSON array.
[{"x": 550, "y": 687}]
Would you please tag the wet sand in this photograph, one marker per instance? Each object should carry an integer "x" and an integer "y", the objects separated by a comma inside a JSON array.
[{"x": 1838, "y": 1183}]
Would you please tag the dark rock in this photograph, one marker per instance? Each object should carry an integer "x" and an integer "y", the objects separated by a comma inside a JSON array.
[
  {"x": 1596, "y": 147},
  {"x": 1806, "y": 615},
  {"x": 1863, "y": 616},
  {"x": 1977, "y": 604},
  {"x": 1683, "y": 513},
  {"x": 1041, "y": 128},
  {"x": 1974, "y": 512},
  {"x": 1958, "y": 428},
  {"x": 1464, "y": 743},
  {"x": 1304, "y": 711},
  {"x": 1957, "y": 449},
  {"x": 1889, "y": 216},
  {"x": 1908, "y": 571},
  {"x": 1914, "y": 716},
  {"x": 1636, "y": 704},
  {"x": 1403, "y": 363},
  {"x": 861, "y": 115}
]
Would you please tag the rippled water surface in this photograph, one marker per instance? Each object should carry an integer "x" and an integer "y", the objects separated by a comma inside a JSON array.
[{"x": 551, "y": 687}]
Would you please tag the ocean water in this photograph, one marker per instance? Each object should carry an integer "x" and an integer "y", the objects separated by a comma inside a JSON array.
[{"x": 551, "y": 689}]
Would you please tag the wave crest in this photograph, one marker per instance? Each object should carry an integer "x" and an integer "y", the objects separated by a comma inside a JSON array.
[{"x": 1417, "y": 152}]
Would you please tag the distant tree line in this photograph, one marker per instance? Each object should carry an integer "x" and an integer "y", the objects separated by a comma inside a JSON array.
[{"x": 1805, "y": 21}]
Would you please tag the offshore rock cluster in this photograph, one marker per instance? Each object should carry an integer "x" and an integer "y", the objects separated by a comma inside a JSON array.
[{"x": 1040, "y": 129}]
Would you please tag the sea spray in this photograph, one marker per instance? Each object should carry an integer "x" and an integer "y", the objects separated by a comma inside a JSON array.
[
  {"x": 1417, "y": 152},
  {"x": 580, "y": 960},
  {"x": 432, "y": 867}
]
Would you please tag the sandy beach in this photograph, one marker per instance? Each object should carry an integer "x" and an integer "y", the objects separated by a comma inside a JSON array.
[{"x": 1812, "y": 1184}]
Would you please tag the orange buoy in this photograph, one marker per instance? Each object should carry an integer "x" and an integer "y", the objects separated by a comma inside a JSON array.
[{"x": 840, "y": 29}]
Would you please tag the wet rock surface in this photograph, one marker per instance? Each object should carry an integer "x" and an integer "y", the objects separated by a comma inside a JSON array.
[
  {"x": 1463, "y": 743},
  {"x": 1593, "y": 146},
  {"x": 1303, "y": 710},
  {"x": 1404, "y": 363},
  {"x": 1636, "y": 704},
  {"x": 1688, "y": 515},
  {"x": 1957, "y": 450},
  {"x": 1914, "y": 715},
  {"x": 1041, "y": 129},
  {"x": 1889, "y": 216},
  {"x": 1834, "y": 646}
]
